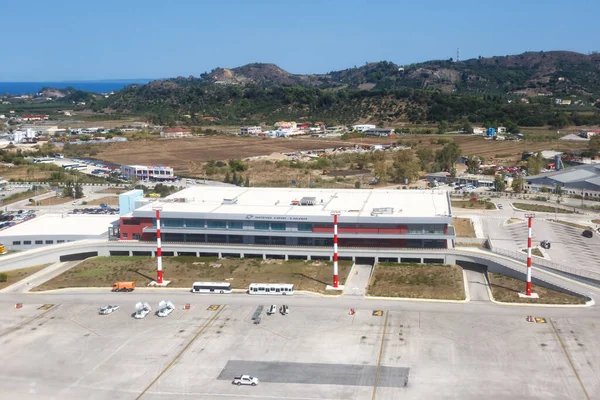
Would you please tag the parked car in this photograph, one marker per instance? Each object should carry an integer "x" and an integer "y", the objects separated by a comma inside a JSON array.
[
  {"x": 109, "y": 309},
  {"x": 284, "y": 310},
  {"x": 499, "y": 206},
  {"x": 545, "y": 244},
  {"x": 141, "y": 310},
  {"x": 272, "y": 309},
  {"x": 587, "y": 233},
  {"x": 165, "y": 308},
  {"x": 245, "y": 380}
]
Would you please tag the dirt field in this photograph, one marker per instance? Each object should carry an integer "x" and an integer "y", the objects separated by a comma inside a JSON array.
[
  {"x": 20, "y": 274},
  {"x": 423, "y": 281},
  {"x": 110, "y": 200},
  {"x": 463, "y": 227},
  {"x": 52, "y": 201},
  {"x": 183, "y": 271},
  {"x": 507, "y": 290}
]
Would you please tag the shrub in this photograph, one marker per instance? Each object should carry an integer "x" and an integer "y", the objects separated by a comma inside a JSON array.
[{"x": 3, "y": 277}]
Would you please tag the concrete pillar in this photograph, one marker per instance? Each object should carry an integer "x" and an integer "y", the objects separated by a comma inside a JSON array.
[
  {"x": 220, "y": 255},
  {"x": 308, "y": 257},
  {"x": 241, "y": 255},
  {"x": 264, "y": 256},
  {"x": 286, "y": 258}
]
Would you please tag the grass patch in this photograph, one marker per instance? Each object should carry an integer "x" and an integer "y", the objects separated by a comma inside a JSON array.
[
  {"x": 534, "y": 252},
  {"x": 513, "y": 220},
  {"x": 183, "y": 271},
  {"x": 573, "y": 224},
  {"x": 463, "y": 227},
  {"x": 475, "y": 205},
  {"x": 28, "y": 194},
  {"x": 421, "y": 281},
  {"x": 541, "y": 208},
  {"x": 506, "y": 289},
  {"x": 20, "y": 274}
]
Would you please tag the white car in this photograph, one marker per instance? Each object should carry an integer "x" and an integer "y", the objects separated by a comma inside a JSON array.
[
  {"x": 109, "y": 309},
  {"x": 141, "y": 310},
  {"x": 245, "y": 380},
  {"x": 272, "y": 309},
  {"x": 165, "y": 308}
]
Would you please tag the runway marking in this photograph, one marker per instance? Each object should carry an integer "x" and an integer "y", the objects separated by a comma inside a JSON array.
[
  {"x": 210, "y": 321},
  {"x": 377, "y": 313},
  {"x": 245, "y": 396},
  {"x": 213, "y": 307},
  {"x": 387, "y": 313},
  {"x": 587, "y": 396},
  {"x": 46, "y": 307}
]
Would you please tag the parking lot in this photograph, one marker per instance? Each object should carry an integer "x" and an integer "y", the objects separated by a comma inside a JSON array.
[
  {"x": 568, "y": 246},
  {"x": 69, "y": 351}
]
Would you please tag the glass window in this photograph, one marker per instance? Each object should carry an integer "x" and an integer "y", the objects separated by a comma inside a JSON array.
[
  {"x": 49, "y": 241},
  {"x": 136, "y": 236},
  {"x": 194, "y": 223},
  {"x": 17, "y": 243},
  {"x": 173, "y": 223},
  {"x": 415, "y": 228},
  {"x": 27, "y": 242},
  {"x": 125, "y": 236},
  {"x": 305, "y": 227},
  {"x": 60, "y": 241},
  {"x": 235, "y": 225},
  {"x": 216, "y": 224},
  {"x": 263, "y": 226},
  {"x": 39, "y": 242},
  {"x": 277, "y": 226}
]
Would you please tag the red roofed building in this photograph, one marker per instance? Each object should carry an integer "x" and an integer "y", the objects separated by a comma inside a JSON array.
[
  {"x": 32, "y": 117},
  {"x": 173, "y": 133}
]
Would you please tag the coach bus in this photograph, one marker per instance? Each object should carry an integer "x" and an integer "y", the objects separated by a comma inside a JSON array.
[
  {"x": 271, "y": 288},
  {"x": 211, "y": 287}
]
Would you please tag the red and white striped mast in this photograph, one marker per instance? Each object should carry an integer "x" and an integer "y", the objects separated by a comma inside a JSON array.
[
  {"x": 159, "y": 271},
  {"x": 336, "y": 280},
  {"x": 529, "y": 239}
]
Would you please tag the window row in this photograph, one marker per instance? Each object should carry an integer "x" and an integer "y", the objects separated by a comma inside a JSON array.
[{"x": 37, "y": 242}]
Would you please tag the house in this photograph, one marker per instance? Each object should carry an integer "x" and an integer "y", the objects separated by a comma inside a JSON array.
[
  {"x": 478, "y": 130},
  {"x": 173, "y": 133},
  {"x": 501, "y": 130},
  {"x": 381, "y": 132},
  {"x": 286, "y": 125},
  {"x": 362, "y": 128},
  {"x": 250, "y": 130}
]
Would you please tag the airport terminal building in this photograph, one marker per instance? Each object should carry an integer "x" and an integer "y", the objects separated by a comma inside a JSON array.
[{"x": 296, "y": 217}]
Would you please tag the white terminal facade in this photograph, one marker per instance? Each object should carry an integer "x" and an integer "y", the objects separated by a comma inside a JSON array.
[{"x": 296, "y": 217}]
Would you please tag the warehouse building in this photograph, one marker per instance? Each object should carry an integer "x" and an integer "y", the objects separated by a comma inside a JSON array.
[
  {"x": 50, "y": 229},
  {"x": 145, "y": 173},
  {"x": 296, "y": 217},
  {"x": 583, "y": 180}
]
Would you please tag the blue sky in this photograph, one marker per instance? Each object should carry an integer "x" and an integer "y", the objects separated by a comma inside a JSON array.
[{"x": 109, "y": 39}]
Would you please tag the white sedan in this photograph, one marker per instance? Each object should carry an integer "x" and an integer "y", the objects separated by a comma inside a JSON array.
[
  {"x": 165, "y": 308},
  {"x": 108, "y": 309},
  {"x": 245, "y": 380},
  {"x": 141, "y": 310}
]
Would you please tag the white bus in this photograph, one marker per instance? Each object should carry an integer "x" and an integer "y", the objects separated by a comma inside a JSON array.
[
  {"x": 43, "y": 160},
  {"x": 271, "y": 288},
  {"x": 211, "y": 287}
]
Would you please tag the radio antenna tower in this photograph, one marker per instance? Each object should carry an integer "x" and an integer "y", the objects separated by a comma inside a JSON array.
[{"x": 457, "y": 54}]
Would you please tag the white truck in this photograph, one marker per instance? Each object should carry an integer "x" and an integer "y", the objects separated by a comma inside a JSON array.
[{"x": 245, "y": 380}]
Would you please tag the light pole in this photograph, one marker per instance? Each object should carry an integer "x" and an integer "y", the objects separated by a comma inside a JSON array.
[
  {"x": 530, "y": 218},
  {"x": 159, "y": 272},
  {"x": 335, "y": 249}
]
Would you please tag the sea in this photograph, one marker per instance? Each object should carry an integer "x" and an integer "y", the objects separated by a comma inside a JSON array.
[{"x": 104, "y": 86}]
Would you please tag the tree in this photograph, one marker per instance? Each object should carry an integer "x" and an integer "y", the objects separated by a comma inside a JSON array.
[
  {"x": 443, "y": 127},
  {"x": 473, "y": 164},
  {"x": 535, "y": 164},
  {"x": 234, "y": 178},
  {"x": 247, "y": 182},
  {"x": 227, "y": 177},
  {"x": 594, "y": 145},
  {"x": 499, "y": 183},
  {"x": 78, "y": 191},
  {"x": 447, "y": 156},
  {"x": 405, "y": 167},
  {"x": 357, "y": 185},
  {"x": 68, "y": 189},
  {"x": 467, "y": 127},
  {"x": 517, "y": 183},
  {"x": 426, "y": 156}
]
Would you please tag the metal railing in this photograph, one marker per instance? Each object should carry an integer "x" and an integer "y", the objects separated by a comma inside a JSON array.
[{"x": 543, "y": 263}]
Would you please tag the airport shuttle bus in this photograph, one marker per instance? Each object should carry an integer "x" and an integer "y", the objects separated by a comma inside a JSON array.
[
  {"x": 211, "y": 287},
  {"x": 271, "y": 288}
]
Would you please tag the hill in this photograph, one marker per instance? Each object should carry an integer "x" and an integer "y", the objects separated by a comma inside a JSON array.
[{"x": 476, "y": 89}]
